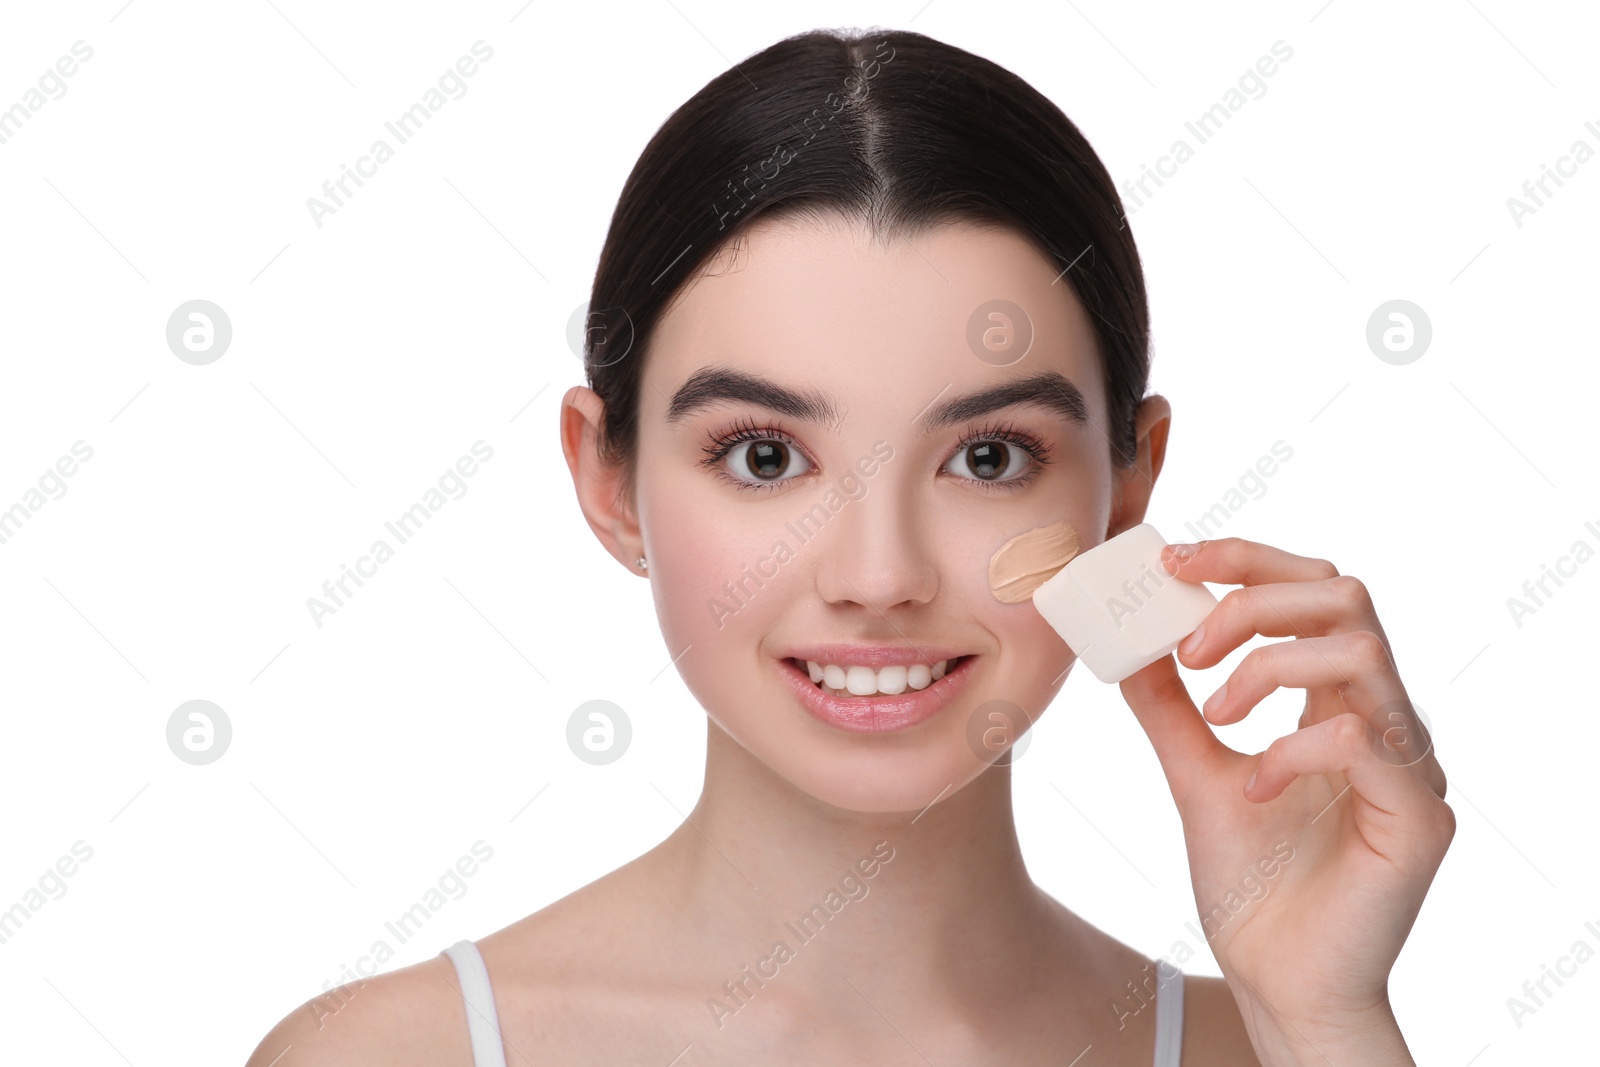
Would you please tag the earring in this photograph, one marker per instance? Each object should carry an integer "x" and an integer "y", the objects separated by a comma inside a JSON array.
[{"x": 641, "y": 564}]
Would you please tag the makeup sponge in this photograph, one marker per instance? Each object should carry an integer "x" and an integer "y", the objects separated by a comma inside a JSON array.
[{"x": 1118, "y": 609}]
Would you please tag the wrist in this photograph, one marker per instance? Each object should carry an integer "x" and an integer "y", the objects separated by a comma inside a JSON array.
[{"x": 1370, "y": 1037}]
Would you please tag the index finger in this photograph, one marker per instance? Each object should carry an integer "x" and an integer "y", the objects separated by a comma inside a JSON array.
[{"x": 1236, "y": 561}]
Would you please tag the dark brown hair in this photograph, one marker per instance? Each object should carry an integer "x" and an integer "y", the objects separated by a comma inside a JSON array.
[{"x": 890, "y": 128}]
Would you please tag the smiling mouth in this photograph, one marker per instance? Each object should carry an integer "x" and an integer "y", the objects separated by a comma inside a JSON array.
[{"x": 905, "y": 685}]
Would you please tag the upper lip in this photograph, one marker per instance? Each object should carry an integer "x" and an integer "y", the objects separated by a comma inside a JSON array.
[{"x": 903, "y": 654}]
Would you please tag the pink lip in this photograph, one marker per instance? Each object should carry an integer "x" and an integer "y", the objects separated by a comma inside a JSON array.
[{"x": 876, "y": 714}]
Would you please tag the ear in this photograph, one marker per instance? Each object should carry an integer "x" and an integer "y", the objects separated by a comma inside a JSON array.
[
  {"x": 1133, "y": 485},
  {"x": 599, "y": 485}
]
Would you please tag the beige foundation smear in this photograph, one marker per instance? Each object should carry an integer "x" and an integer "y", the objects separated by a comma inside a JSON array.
[{"x": 1028, "y": 560}]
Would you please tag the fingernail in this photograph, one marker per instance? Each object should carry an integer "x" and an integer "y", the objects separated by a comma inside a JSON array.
[
  {"x": 1184, "y": 551},
  {"x": 1214, "y": 701},
  {"x": 1251, "y": 784},
  {"x": 1192, "y": 642}
]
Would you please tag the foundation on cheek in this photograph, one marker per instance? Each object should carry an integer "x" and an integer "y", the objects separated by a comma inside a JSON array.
[
  {"x": 1115, "y": 605},
  {"x": 1028, "y": 560}
]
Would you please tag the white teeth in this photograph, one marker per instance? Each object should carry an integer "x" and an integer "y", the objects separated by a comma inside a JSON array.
[
  {"x": 864, "y": 681},
  {"x": 890, "y": 680}
]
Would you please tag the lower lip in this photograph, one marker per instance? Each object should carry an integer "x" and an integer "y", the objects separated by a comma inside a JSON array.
[{"x": 877, "y": 714}]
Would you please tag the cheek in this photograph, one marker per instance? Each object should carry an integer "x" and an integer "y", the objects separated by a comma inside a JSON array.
[
  {"x": 719, "y": 574},
  {"x": 1031, "y": 655},
  {"x": 727, "y": 572},
  {"x": 1035, "y": 659}
]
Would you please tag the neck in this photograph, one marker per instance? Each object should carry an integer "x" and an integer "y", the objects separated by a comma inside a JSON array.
[{"x": 938, "y": 901}]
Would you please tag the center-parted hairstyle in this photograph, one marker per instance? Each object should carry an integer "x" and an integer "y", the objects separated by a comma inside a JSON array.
[{"x": 889, "y": 128}]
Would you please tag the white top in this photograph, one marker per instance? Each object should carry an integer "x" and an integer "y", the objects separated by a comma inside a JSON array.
[
  {"x": 1169, "y": 1019},
  {"x": 483, "y": 1024}
]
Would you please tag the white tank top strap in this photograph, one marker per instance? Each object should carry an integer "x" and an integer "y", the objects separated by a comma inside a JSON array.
[
  {"x": 483, "y": 1024},
  {"x": 1169, "y": 1018}
]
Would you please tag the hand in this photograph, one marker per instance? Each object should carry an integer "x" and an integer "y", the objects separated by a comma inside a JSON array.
[{"x": 1310, "y": 860}]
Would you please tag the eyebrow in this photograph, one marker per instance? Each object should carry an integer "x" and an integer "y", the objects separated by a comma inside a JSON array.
[{"x": 709, "y": 386}]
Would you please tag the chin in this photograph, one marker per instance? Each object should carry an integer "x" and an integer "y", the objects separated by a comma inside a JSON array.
[
  {"x": 907, "y": 794},
  {"x": 901, "y": 772}
]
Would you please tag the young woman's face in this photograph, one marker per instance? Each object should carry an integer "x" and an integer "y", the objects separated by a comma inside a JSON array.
[{"x": 839, "y": 499}]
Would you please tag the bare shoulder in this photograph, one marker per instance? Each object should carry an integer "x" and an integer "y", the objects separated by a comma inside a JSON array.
[
  {"x": 539, "y": 968},
  {"x": 413, "y": 1015},
  {"x": 1213, "y": 1031}
]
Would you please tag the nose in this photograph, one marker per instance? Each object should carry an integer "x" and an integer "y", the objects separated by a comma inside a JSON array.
[{"x": 875, "y": 553}]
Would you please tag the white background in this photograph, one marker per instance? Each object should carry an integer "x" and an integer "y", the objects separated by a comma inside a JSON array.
[{"x": 431, "y": 311}]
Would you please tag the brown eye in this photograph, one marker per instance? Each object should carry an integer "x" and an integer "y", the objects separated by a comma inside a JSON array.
[
  {"x": 986, "y": 459},
  {"x": 999, "y": 456},
  {"x": 755, "y": 457},
  {"x": 766, "y": 459}
]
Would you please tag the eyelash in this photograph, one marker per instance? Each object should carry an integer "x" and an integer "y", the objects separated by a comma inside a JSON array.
[{"x": 719, "y": 445}]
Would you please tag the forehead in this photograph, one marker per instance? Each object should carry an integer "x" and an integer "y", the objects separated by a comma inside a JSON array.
[{"x": 819, "y": 302}]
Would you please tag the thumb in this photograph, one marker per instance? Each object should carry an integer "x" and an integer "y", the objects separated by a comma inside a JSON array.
[{"x": 1190, "y": 753}]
